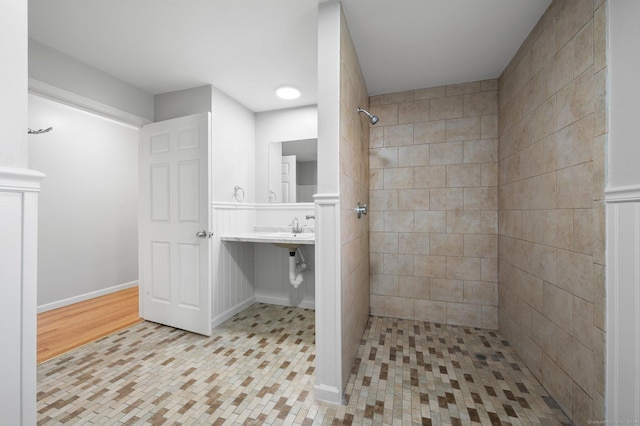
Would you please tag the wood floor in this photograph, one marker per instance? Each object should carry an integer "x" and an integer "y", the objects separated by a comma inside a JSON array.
[{"x": 64, "y": 329}]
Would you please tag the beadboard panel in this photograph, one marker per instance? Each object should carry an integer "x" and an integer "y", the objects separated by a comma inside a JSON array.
[
  {"x": 18, "y": 265},
  {"x": 623, "y": 308},
  {"x": 232, "y": 263},
  {"x": 328, "y": 386}
]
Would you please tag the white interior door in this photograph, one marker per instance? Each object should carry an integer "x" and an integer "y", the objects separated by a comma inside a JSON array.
[
  {"x": 289, "y": 179},
  {"x": 275, "y": 172},
  {"x": 175, "y": 206}
]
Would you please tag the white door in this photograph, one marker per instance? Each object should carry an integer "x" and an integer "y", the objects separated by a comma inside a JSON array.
[
  {"x": 275, "y": 172},
  {"x": 289, "y": 179},
  {"x": 174, "y": 215}
]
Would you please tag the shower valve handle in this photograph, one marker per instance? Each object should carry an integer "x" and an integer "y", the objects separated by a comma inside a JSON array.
[{"x": 361, "y": 210}]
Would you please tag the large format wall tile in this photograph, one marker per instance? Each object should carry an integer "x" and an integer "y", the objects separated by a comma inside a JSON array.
[
  {"x": 552, "y": 150},
  {"x": 433, "y": 221}
]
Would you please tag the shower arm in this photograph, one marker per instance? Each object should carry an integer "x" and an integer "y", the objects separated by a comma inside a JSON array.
[{"x": 373, "y": 119}]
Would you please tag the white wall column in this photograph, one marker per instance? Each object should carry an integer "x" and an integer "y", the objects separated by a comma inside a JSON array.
[
  {"x": 328, "y": 386},
  {"x": 623, "y": 307},
  {"x": 622, "y": 198},
  {"x": 18, "y": 265}
]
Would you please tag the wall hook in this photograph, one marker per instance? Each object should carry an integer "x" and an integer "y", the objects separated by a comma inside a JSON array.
[{"x": 40, "y": 131}]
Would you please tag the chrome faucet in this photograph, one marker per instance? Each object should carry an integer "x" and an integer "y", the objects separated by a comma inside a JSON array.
[{"x": 295, "y": 226}]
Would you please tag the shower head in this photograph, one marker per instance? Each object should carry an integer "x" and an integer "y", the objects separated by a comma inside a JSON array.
[{"x": 372, "y": 118}]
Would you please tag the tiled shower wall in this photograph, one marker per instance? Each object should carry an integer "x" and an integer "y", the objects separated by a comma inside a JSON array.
[
  {"x": 553, "y": 133},
  {"x": 354, "y": 188},
  {"x": 433, "y": 220}
]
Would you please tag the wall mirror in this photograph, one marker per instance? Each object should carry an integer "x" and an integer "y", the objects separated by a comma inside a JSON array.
[{"x": 293, "y": 171}]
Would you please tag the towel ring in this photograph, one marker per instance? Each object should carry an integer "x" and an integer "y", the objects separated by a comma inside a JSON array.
[{"x": 238, "y": 193}]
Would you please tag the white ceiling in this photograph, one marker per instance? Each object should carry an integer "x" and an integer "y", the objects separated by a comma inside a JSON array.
[{"x": 247, "y": 48}]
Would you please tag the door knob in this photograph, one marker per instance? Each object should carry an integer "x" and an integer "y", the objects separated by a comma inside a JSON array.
[{"x": 204, "y": 234}]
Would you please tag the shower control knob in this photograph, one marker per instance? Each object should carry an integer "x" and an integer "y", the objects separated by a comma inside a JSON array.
[
  {"x": 204, "y": 234},
  {"x": 360, "y": 210}
]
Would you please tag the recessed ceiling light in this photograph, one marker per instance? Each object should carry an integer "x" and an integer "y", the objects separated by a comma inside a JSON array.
[{"x": 287, "y": 92}]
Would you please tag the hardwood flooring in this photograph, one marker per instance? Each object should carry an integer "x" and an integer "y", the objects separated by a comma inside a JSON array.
[{"x": 67, "y": 328}]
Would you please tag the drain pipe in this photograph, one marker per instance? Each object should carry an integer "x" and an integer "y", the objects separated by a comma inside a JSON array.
[{"x": 296, "y": 272}]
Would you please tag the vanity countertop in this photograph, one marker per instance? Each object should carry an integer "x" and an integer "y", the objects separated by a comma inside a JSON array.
[{"x": 273, "y": 237}]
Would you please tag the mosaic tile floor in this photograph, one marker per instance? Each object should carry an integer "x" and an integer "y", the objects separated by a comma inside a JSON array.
[{"x": 258, "y": 368}]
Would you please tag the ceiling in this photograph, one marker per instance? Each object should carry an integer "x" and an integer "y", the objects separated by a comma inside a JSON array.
[{"x": 247, "y": 48}]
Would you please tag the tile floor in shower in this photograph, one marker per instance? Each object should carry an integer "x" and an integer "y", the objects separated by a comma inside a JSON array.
[{"x": 258, "y": 368}]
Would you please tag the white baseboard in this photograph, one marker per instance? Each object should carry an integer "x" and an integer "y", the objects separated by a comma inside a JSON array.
[
  {"x": 306, "y": 304},
  {"x": 86, "y": 296},
  {"x": 231, "y": 312},
  {"x": 328, "y": 394}
]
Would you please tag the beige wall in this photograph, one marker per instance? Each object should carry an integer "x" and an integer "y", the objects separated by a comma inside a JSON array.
[
  {"x": 433, "y": 180},
  {"x": 354, "y": 188},
  {"x": 553, "y": 133}
]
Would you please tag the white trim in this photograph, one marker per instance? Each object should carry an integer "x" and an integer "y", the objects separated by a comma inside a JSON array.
[
  {"x": 49, "y": 91},
  {"x": 326, "y": 198},
  {"x": 280, "y": 301},
  {"x": 85, "y": 296},
  {"x": 328, "y": 394},
  {"x": 21, "y": 180},
  {"x": 232, "y": 311},
  {"x": 232, "y": 206},
  {"x": 29, "y": 300},
  {"x": 261, "y": 206},
  {"x": 622, "y": 194},
  {"x": 284, "y": 206},
  {"x": 623, "y": 312},
  {"x": 637, "y": 312},
  {"x": 612, "y": 325}
]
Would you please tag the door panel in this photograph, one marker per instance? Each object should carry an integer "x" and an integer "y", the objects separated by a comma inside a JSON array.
[
  {"x": 175, "y": 269},
  {"x": 160, "y": 271},
  {"x": 189, "y": 191},
  {"x": 159, "y": 192},
  {"x": 289, "y": 182},
  {"x": 189, "y": 272}
]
